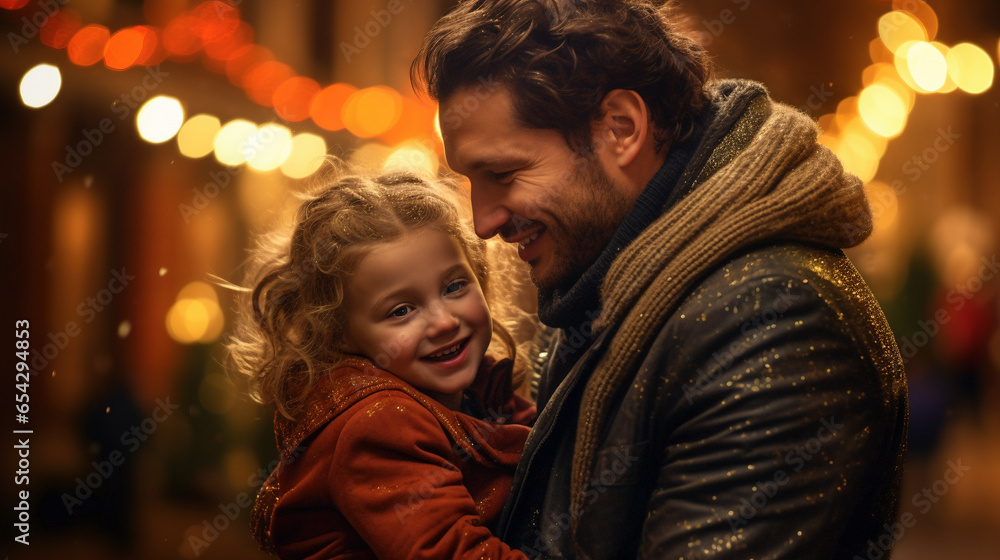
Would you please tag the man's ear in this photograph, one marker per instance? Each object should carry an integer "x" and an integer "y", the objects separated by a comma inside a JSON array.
[{"x": 624, "y": 127}]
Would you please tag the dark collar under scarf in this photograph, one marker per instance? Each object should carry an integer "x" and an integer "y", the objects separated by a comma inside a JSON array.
[{"x": 579, "y": 303}]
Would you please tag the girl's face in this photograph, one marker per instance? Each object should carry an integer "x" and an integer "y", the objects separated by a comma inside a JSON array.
[{"x": 416, "y": 309}]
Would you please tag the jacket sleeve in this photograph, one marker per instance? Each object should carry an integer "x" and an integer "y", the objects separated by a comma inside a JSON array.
[
  {"x": 394, "y": 478},
  {"x": 770, "y": 443}
]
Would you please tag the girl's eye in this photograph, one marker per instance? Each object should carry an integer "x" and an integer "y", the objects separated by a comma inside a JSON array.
[
  {"x": 455, "y": 286},
  {"x": 401, "y": 311}
]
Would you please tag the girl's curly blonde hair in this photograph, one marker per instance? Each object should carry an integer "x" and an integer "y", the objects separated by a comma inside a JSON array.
[{"x": 291, "y": 316}]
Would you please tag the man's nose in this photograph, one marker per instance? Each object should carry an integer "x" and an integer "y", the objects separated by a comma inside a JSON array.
[{"x": 489, "y": 213}]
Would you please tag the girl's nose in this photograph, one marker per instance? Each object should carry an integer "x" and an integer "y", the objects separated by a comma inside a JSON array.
[{"x": 440, "y": 320}]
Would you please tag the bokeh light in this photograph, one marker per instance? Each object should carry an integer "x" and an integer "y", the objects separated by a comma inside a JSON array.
[
  {"x": 123, "y": 48},
  {"x": 59, "y": 28},
  {"x": 197, "y": 137},
  {"x": 159, "y": 119},
  {"x": 268, "y": 147},
  {"x": 306, "y": 156},
  {"x": 970, "y": 67},
  {"x": 40, "y": 85},
  {"x": 413, "y": 155},
  {"x": 86, "y": 47},
  {"x": 882, "y": 110},
  {"x": 328, "y": 105},
  {"x": 372, "y": 111},
  {"x": 927, "y": 66},
  {"x": 231, "y": 139},
  {"x": 898, "y": 27},
  {"x": 293, "y": 97},
  {"x": 196, "y": 315}
]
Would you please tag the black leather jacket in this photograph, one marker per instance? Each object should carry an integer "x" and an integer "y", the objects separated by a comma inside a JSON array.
[{"x": 767, "y": 421}]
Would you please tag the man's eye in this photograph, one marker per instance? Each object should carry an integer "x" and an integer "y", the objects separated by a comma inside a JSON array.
[
  {"x": 503, "y": 176},
  {"x": 455, "y": 286},
  {"x": 401, "y": 311}
]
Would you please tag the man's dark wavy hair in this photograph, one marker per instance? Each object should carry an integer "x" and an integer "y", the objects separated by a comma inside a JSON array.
[{"x": 559, "y": 58}]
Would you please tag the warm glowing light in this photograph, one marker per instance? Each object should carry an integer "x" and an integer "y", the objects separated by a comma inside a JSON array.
[
  {"x": 306, "y": 156},
  {"x": 159, "y": 119},
  {"x": 884, "y": 203},
  {"x": 263, "y": 79},
  {"x": 328, "y": 105},
  {"x": 898, "y": 27},
  {"x": 197, "y": 137},
  {"x": 922, "y": 12},
  {"x": 243, "y": 59},
  {"x": 882, "y": 110},
  {"x": 40, "y": 85},
  {"x": 13, "y": 4},
  {"x": 180, "y": 38},
  {"x": 949, "y": 84},
  {"x": 269, "y": 147},
  {"x": 970, "y": 67},
  {"x": 859, "y": 156},
  {"x": 292, "y": 98},
  {"x": 231, "y": 139},
  {"x": 927, "y": 66},
  {"x": 124, "y": 48},
  {"x": 413, "y": 155},
  {"x": 86, "y": 47},
  {"x": 372, "y": 111},
  {"x": 59, "y": 28},
  {"x": 225, "y": 47},
  {"x": 196, "y": 315}
]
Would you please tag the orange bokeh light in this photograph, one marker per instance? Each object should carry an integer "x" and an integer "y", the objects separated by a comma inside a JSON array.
[
  {"x": 87, "y": 45},
  {"x": 328, "y": 104},
  {"x": 415, "y": 121},
  {"x": 12, "y": 4},
  {"x": 225, "y": 47},
  {"x": 180, "y": 38},
  {"x": 243, "y": 60},
  {"x": 152, "y": 52},
  {"x": 124, "y": 48},
  {"x": 372, "y": 111},
  {"x": 262, "y": 79},
  {"x": 293, "y": 97},
  {"x": 59, "y": 28}
]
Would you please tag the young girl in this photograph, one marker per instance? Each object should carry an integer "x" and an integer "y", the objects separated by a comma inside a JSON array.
[{"x": 368, "y": 330}]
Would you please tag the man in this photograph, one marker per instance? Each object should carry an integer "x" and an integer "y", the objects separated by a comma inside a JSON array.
[{"x": 722, "y": 383}]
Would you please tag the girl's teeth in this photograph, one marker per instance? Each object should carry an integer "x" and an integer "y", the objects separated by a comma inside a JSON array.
[{"x": 448, "y": 351}]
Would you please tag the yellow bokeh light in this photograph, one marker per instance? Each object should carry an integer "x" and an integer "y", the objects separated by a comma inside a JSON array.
[
  {"x": 898, "y": 27},
  {"x": 903, "y": 67},
  {"x": 198, "y": 290},
  {"x": 884, "y": 203},
  {"x": 40, "y": 85},
  {"x": 194, "y": 320},
  {"x": 927, "y": 66},
  {"x": 231, "y": 139},
  {"x": 882, "y": 110},
  {"x": 858, "y": 155},
  {"x": 970, "y": 67},
  {"x": 268, "y": 147},
  {"x": 197, "y": 137},
  {"x": 413, "y": 155},
  {"x": 949, "y": 84},
  {"x": 306, "y": 157},
  {"x": 160, "y": 119}
]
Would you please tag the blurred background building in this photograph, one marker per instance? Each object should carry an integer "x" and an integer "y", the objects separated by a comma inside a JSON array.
[{"x": 146, "y": 142}]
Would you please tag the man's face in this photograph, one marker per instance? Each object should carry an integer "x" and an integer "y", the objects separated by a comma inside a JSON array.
[{"x": 559, "y": 206}]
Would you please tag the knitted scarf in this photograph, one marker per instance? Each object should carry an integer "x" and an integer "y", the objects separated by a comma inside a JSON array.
[{"x": 768, "y": 180}]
